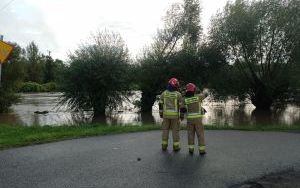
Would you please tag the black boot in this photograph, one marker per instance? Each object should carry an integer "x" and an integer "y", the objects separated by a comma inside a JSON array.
[
  {"x": 202, "y": 150},
  {"x": 164, "y": 147},
  {"x": 176, "y": 148}
]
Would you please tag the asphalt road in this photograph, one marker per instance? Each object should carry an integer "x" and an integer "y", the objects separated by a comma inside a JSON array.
[{"x": 111, "y": 161}]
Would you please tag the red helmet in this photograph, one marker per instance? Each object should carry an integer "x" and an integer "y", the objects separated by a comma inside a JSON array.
[
  {"x": 174, "y": 82},
  {"x": 190, "y": 87}
]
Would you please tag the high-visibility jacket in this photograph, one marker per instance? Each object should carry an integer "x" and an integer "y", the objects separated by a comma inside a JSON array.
[
  {"x": 170, "y": 103},
  {"x": 193, "y": 107}
]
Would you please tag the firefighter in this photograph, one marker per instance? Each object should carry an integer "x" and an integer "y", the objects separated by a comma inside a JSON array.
[
  {"x": 194, "y": 113},
  {"x": 169, "y": 106}
]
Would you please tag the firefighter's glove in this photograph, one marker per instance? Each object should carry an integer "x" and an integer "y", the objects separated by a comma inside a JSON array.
[{"x": 183, "y": 110}]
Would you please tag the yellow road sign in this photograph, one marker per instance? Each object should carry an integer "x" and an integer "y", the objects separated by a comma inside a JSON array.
[{"x": 5, "y": 51}]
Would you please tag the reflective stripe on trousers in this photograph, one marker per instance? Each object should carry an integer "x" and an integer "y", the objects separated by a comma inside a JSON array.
[
  {"x": 193, "y": 115},
  {"x": 164, "y": 142},
  {"x": 202, "y": 148},
  {"x": 171, "y": 113}
]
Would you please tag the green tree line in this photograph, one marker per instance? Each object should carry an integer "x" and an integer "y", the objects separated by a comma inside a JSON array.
[
  {"x": 251, "y": 51},
  {"x": 30, "y": 65},
  {"x": 28, "y": 70}
]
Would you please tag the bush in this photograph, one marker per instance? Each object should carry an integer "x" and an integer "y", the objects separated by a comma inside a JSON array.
[
  {"x": 7, "y": 98},
  {"x": 50, "y": 87},
  {"x": 30, "y": 87},
  {"x": 36, "y": 87}
]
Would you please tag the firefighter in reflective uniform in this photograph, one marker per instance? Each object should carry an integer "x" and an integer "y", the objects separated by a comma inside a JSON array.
[
  {"x": 194, "y": 113},
  {"x": 169, "y": 106}
]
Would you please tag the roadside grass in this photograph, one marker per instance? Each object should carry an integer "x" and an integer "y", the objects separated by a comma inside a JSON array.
[{"x": 16, "y": 135}]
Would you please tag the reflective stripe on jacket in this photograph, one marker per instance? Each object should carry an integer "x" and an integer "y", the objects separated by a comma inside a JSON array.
[{"x": 193, "y": 107}]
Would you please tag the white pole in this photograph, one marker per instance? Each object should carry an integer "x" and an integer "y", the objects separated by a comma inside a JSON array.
[{"x": 1, "y": 39}]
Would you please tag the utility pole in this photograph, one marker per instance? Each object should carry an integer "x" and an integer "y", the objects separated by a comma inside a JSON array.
[{"x": 1, "y": 39}]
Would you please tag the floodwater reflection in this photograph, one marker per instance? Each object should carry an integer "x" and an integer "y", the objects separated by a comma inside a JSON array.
[{"x": 228, "y": 113}]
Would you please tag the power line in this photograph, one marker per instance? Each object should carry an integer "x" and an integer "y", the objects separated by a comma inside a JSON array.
[{"x": 6, "y": 5}]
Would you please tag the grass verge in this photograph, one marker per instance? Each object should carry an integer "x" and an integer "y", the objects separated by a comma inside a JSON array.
[{"x": 14, "y": 135}]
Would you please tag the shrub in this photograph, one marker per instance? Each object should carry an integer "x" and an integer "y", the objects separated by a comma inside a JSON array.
[
  {"x": 30, "y": 87},
  {"x": 50, "y": 87},
  {"x": 7, "y": 98},
  {"x": 36, "y": 87}
]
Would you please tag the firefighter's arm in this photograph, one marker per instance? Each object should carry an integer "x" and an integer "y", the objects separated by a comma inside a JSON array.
[
  {"x": 160, "y": 105},
  {"x": 201, "y": 97},
  {"x": 181, "y": 107},
  {"x": 182, "y": 112},
  {"x": 205, "y": 93}
]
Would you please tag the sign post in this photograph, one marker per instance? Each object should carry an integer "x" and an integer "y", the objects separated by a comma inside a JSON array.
[
  {"x": 1, "y": 39},
  {"x": 5, "y": 51}
]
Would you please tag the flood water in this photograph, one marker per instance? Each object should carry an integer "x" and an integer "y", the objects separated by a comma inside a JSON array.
[{"x": 228, "y": 113}]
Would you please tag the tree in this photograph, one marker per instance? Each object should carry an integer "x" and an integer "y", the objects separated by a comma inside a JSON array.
[
  {"x": 259, "y": 39},
  {"x": 59, "y": 70},
  {"x": 214, "y": 65},
  {"x": 97, "y": 76},
  {"x": 191, "y": 24},
  {"x": 151, "y": 79},
  {"x": 35, "y": 63},
  {"x": 49, "y": 69},
  {"x": 173, "y": 52}
]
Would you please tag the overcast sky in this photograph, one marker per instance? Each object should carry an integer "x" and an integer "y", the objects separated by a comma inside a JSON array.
[{"x": 61, "y": 25}]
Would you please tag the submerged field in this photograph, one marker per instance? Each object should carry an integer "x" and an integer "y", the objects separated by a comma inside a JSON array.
[{"x": 226, "y": 113}]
